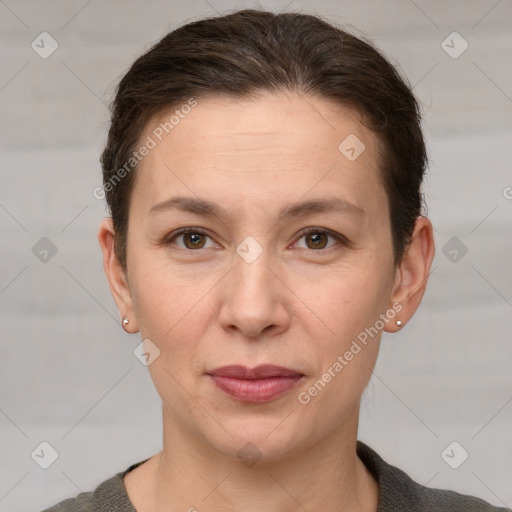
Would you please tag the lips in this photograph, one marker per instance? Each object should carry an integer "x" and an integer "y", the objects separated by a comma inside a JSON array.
[{"x": 260, "y": 384}]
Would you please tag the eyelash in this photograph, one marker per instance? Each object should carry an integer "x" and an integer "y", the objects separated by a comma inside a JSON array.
[{"x": 339, "y": 238}]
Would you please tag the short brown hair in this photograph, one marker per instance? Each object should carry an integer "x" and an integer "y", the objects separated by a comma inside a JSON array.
[{"x": 248, "y": 51}]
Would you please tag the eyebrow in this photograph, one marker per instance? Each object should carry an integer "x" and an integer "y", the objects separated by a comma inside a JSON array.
[{"x": 300, "y": 209}]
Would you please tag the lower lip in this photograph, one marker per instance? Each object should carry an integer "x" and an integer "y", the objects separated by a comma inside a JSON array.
[{"x": 255, "y": 390}]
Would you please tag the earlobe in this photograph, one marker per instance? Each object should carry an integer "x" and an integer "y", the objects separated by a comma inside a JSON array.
[
  {"x": 116, "y": 275},
  {"x": 413, "y": 272}
]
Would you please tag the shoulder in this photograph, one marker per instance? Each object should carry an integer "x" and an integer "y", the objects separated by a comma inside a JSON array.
[
  {"x": 397, "y": 491},
  {"x": 109, "y": 496},
  {"x": 82, "y": 503}
]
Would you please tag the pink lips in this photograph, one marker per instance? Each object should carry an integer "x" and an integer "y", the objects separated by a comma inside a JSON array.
[{"x": 256, "y": 385}]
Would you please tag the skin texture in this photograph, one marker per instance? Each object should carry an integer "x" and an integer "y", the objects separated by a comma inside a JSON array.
[{"x": 208, "y": 307}]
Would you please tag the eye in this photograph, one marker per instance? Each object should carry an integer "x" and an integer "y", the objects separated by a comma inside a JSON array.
[
  {"x": 316, "y": 239},
  {"x": 192, "y": 238}
]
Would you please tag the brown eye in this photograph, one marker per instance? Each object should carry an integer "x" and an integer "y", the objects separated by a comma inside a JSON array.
[
  {"x": 193, "y": 240},
  {"x": 189, "y": 238},
  {"x": 316, "y": 240}
]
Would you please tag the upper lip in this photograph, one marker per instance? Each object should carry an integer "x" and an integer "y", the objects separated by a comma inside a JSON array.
[{"x": 263, "y": 371}]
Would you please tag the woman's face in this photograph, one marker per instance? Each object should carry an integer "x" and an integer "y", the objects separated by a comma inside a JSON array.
[{"x": 248, "y": 286}]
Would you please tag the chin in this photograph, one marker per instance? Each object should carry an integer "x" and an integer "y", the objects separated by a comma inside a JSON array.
[{"x": 258, "y": 440}]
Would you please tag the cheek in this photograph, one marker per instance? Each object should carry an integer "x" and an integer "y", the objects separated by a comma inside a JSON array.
[
  {"x": 167, "y": 298},
  {"x": 348, "y": 309},
  {"x": 343, "y": 364},
  {"x": 175, "y": 309},
  {"x": 348, "y": 299},
  {"x": 173, "y": 316}
]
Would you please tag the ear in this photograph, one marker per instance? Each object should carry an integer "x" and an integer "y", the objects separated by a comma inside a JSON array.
[
  {"x": 116, "y": 275},
  {"x": 412, "y": 274}
]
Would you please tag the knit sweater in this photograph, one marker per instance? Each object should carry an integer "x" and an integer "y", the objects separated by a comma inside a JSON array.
[{"x": 397, "y": 493}]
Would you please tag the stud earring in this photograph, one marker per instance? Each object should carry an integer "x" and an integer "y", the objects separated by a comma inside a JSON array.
[
  {"x": 399, "y": 323},
  {"x": 125, "y": 321}
]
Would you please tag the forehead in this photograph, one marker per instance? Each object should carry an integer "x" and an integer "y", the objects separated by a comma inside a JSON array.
[{"x": 278, "y": 145}]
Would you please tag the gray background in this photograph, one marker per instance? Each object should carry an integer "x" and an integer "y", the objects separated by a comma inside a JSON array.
[{"x": 68, "y": 374}]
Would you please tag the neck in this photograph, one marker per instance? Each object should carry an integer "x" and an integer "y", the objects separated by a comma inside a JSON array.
[{"x": 192, "y": 476}]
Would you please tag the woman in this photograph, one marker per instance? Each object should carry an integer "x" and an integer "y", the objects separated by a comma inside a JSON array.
[{"x": 263, "y": 176}]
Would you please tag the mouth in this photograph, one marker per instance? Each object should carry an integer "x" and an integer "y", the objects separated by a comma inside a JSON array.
[{"x": 255, "y": 385}]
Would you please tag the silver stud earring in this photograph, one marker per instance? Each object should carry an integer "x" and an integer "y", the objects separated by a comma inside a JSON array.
[
  {"x": 399, "y": 323},
  {"x": 125, "y": 321}
]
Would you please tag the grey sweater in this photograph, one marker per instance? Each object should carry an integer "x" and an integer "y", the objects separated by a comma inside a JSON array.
[{"x": 397, "y": 493}]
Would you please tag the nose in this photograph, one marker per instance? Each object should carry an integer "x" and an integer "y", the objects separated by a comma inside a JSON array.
[{"x": 255, "y": 299}]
